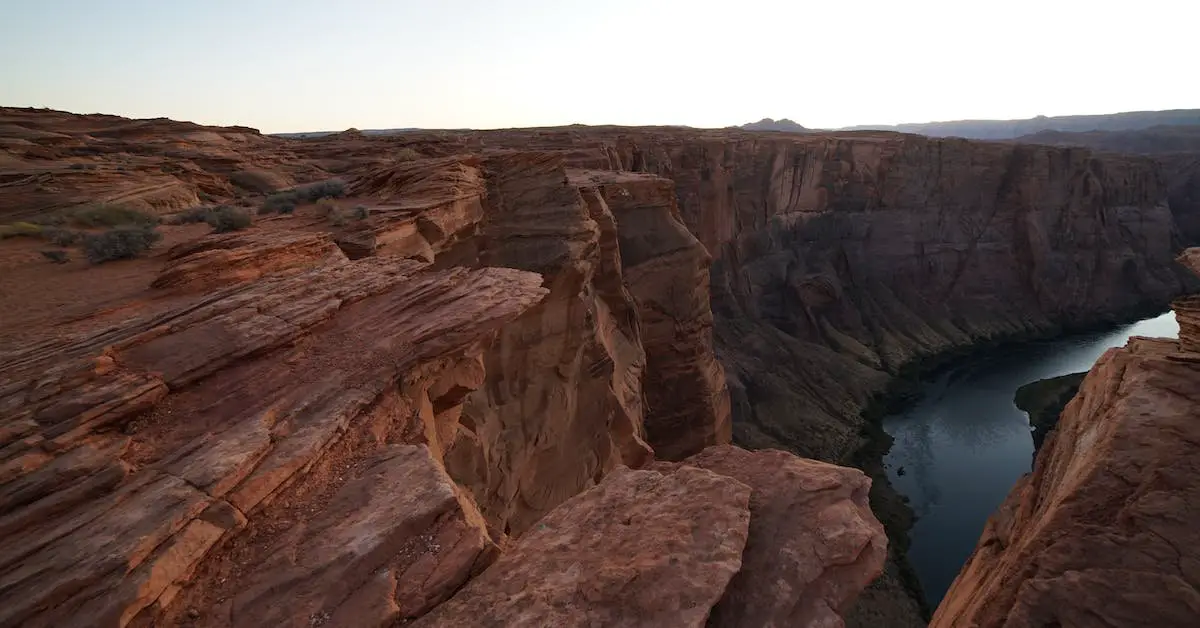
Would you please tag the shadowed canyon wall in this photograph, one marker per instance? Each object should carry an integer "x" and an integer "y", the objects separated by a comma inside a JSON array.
[
  {"x": 841, "y": 260},
  {"x": 219, "y": 440},
  {"x": 1103, "y": 530}
]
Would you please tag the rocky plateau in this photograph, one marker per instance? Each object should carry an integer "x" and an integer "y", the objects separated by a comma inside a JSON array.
[{"x": 505, "y": 391}]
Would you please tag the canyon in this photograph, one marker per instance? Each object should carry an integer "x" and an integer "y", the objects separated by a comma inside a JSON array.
[
  {"x": 1099, "y": 532},
  {"x": 532, "y": 350}
]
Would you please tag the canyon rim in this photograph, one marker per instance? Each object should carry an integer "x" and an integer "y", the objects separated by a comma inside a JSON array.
[{"x": 564, "y": 376}]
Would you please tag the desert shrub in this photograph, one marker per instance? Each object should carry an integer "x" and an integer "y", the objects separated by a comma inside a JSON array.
[
  {"x": 285, "y": 202},
  {"x": 124, "y": 242},
  {"x": 407, "y": 154},
  {"x": 337, "y": 217},
  {"x": 282, "y": 202},
  {"x": 58, "y": 256},
  {"x": 18, "y": 229},
  {"x": 57, "y": 218},
  {"x": 223, "y": 219},
  {"x": 192, "y": 216},
  {"x": 106, "y": 215},
  {"x": 252, "y": 181},
  {"x": 331, "y": 188},
  {"x": 360, "y": 212},
  {"x": 60, "y": 237}
]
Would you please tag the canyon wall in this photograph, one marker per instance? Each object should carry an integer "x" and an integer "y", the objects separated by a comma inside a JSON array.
[
  {"x": 840, "y": 260},
  {"x": 296, "y": 425},
  {"x": 1102, "y": 531},
  {"x": 221, "y": 443}
]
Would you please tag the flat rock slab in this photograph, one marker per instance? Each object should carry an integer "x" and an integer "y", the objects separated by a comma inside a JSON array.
[
  {"x": 264, "y": 378},
  {"x": 640, "y": 549},
  {"x": 391, "y": 543},
  {"x": 813, "y": 544}
]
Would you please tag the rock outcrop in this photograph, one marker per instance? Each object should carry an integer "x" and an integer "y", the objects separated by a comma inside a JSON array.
[
  {"x": 813, "y": 543},
  {"x": 225, "y": 448},
  {"x": 843, "y": 259},
  {"x": 109, "y": 510},
  {"x": 640, "y": 549},
  {"x": 727, "y": 537},
  {"x": 1044, "y": 400},
  {"x": 1103, "y": 530},
  {"x": 184, "y": 444},
  {"x": 666, "y": 270},
  {"x": 220, "y": 260}
]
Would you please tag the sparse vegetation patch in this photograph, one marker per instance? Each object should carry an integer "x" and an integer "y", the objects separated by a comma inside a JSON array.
[
  {"x": 61, "y": 237},
  {"x": 252, "y": 181},
  {"x": 107, "y": 215},
  {"x": 57, "y": 256},
  {"x": 285, "y": 202},
  {"x": 125, "y": 242},
  {"x": 223, "y": 219},
  {"x": 18, "y": 229}
]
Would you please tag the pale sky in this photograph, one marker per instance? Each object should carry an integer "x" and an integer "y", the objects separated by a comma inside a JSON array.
[{"x": 306, "y": 65}]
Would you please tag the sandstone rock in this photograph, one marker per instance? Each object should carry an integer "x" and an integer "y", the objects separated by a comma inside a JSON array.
[
  {"x": 837, "y": 260},
  {"x": 249, "y": 419},
  {"x": 568, "y": 371},
  {"x": 813, "y": 543},
  {"x": 1044, "y": 401},
  {"x": 666, "y": 270},
  {"x": 428, "y": 206},
  {"x": 639, "y": 549},
  {"x": 1102, "y": 532},
  {"x": 221, "y": 260},
  {"x": 390, "y": 544}
]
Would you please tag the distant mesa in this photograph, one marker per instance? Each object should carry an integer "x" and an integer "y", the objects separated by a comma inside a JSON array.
[
  {"x": 767, "y": 124},
  {"x": 1011, "y": 129}
]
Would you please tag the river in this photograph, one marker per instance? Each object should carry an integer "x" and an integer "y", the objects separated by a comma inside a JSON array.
[{"x": 958, "y": 451}]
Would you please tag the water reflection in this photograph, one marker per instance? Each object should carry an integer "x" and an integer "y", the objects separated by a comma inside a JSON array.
[{"x": 959, "y": 450}]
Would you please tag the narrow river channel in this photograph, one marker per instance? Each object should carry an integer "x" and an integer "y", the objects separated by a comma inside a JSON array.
[{"x": 959, "y": 450}]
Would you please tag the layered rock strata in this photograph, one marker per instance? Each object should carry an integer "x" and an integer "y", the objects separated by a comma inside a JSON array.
[
  {"x": 1101, "y": 531},
  {"x": 724, "y": 538},
  {"x": 277, "y": 434},
  {"x": 109, "y": 510}
]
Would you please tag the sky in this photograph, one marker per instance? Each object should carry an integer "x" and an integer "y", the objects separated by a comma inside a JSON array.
[{"x": 307, "y": 65}]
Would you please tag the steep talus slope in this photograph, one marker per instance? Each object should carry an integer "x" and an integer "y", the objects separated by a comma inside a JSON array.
[{"x": 1102, "y": 532}]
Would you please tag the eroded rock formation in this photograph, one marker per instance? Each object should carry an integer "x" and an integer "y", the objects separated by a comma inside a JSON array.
[
  {"x": 274, "y": 393},
  {"x": 274, "y": 433},
  {"x": 727, "y": 537},
  {"x": 505, "y": 329},
  {"x": 1102, "y": 530}
]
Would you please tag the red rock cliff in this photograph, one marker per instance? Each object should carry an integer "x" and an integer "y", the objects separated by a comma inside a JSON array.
[
  {"x": 266, "y": 432},
  {"x": 1102, "y": 532},
  {"x": 841, "y": 259}
]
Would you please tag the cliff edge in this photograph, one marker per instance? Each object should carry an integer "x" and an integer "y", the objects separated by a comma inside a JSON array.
[{"x": 1102, "y": 532}]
